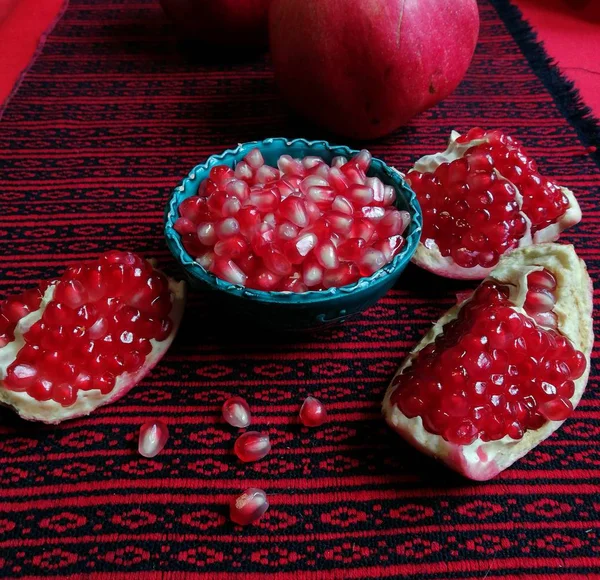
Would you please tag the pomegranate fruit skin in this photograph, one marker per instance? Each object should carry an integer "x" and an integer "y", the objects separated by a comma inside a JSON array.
[
  {"x": 484, "y": 459},
  {"x": 227, "y": 23},
  {"x": 363, "y": 68},
  {"x": 50, "y": 410}
]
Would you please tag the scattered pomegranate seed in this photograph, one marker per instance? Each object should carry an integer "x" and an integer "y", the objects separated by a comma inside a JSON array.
[
  {"x": 248, "y": 507},
  {"x": 236, "y": 412},
  {"x": 153, "y": 438},
  {"x": 279, "y": 228},
  {"x": 493, "y": 372},
  {"x": 252, "y": 446},
  {"x": 312, "y": 412}
]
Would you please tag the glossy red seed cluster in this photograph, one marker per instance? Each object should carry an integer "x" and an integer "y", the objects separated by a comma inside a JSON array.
[
  {"x": 16, "y": 307},
  {"x": 470, "y": 211},
  {"x": 98, "y": 326},
  {"x": 303, "y": 225},
  {"x": 543, "y": 201},
  {"x": 492, "y": 372}
]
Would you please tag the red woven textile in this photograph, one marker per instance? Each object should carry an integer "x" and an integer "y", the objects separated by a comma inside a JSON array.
[{"x": 110, "y": 117}]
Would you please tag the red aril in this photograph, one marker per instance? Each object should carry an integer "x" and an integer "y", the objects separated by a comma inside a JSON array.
[
  {"x": 491, "y": 380},
  {"x": 311, "y": 227},
  {"x": 248, "y": 507},
  {"x": 236, "y": 412},
  {"x": 86, "y": 339},
  {"x": 153, "y": 438},
  {"x": 482, "y": 198},
  {"x": 252, "y": 446},
  {"x": 312, "y": 412},
  {"x": 362, "y": 68}
]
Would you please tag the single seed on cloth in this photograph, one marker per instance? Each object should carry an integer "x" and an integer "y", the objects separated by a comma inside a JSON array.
[
  {"x": 153, "y": 438},
  {"x": 312, "y": 412},
  {"x": 248, "y": 507},
  {"x": 236, "y": 412},
  {"x": 278, "y": 228},
  {"x": 252, "y": 446}
]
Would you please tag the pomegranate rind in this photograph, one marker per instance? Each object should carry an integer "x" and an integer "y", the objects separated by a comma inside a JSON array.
[
  {"x": 484, "y": 460},
  {"x": 50, "y": 411},
  {"x": 428, "y": 256}
]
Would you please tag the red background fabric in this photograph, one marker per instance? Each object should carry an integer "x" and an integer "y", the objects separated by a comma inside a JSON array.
[{"x": 109, "y": 118}]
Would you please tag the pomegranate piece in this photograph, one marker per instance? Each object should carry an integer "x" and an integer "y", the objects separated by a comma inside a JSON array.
[
  {"x": 303, "y": 225},
  {"x": 85, "y": 339},
  {"x": 482, "y": 198},
  {"x": 312, "y": 412},
  {"x": 491, "y": 380},
  {"x": 153, "y": 438},
  {"x": 236, "y": 412},
  {"x": 252, "y": 446},
  {"x": 248, "y": 507}
]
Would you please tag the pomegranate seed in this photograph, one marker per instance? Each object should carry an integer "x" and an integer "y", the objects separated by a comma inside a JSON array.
[
  {"x": 338, "y": 161},
  {"x": 153, "y": 438},
  {"x": 312, "y": 413},
  {"x": 207, "y": 234},
  {"x": 312, "y": 273},
  {"x": 252, "y": 446},
  {"x": 254, "y": 159},
  {"x": 248, "y": 507},
  {"x": 327, "y": 256},
  {"x": 236, "y": 412},
  {"x": 228, "y": 271},
  {"x": 266, "y": 174},
  {"x": 226, "y": 228},
  {"x": 290, "y": 166},
  {"x": 232, "y": 247},
  {"x": 243, "y": 171},
  {"x": 342, "y": 205},
  {"x": 541, "y": 280}
]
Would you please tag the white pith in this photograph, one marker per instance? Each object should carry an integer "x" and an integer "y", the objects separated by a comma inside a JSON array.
[
  {"x": 483, "y": 460},
  {"x": 51, "y": 411},
  {"x": 428, "y": 255}
]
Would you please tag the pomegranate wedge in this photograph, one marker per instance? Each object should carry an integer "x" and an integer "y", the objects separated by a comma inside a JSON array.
[
  {"x": 82, "y": 341},
  {"x": 482, "y": 198},
  {"x": 501, "y": 371}
]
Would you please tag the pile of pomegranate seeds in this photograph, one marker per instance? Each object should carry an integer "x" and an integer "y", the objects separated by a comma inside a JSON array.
[
  {"x": 97, "y": 327},
  {"x": 312, "y": 412},
  {"x": 471, "y": 206},
  {"x": 493, "y": 372},
  {"x": 153, "y": 438},
  {"x": 248, "y": 507},
  {"x": 252, "y": 446},
  {"x": 303, "y": 225},
  {"x": 236, "y": 412}
]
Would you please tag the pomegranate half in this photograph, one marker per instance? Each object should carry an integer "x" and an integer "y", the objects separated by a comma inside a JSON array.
[
  {"x": 502, "y": 370},
  {"x": 84, "y": 340},
  {"x": 482, "y": 197},
  {"x": 363, "y": 68}
]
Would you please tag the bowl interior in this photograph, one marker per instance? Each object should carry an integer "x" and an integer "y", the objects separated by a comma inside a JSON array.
[{"x": 271, "y": 150}]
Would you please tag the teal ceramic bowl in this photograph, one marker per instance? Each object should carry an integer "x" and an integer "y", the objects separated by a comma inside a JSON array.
[{"x": 289, "y": 310}]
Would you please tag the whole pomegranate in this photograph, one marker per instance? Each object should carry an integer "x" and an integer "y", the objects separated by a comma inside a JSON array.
[
  {"x": 502, "y": 370},
  {"x": 362, "y": 68},
  {"x": 222, "y": 22}
]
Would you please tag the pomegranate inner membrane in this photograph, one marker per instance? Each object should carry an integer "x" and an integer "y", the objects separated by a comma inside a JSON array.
[
  {"x": 303, "y": 225},
  {"x": 473, "y": 207},
  {"x": 493, "y": 371},
  {"x": 97, "y": 326}
]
